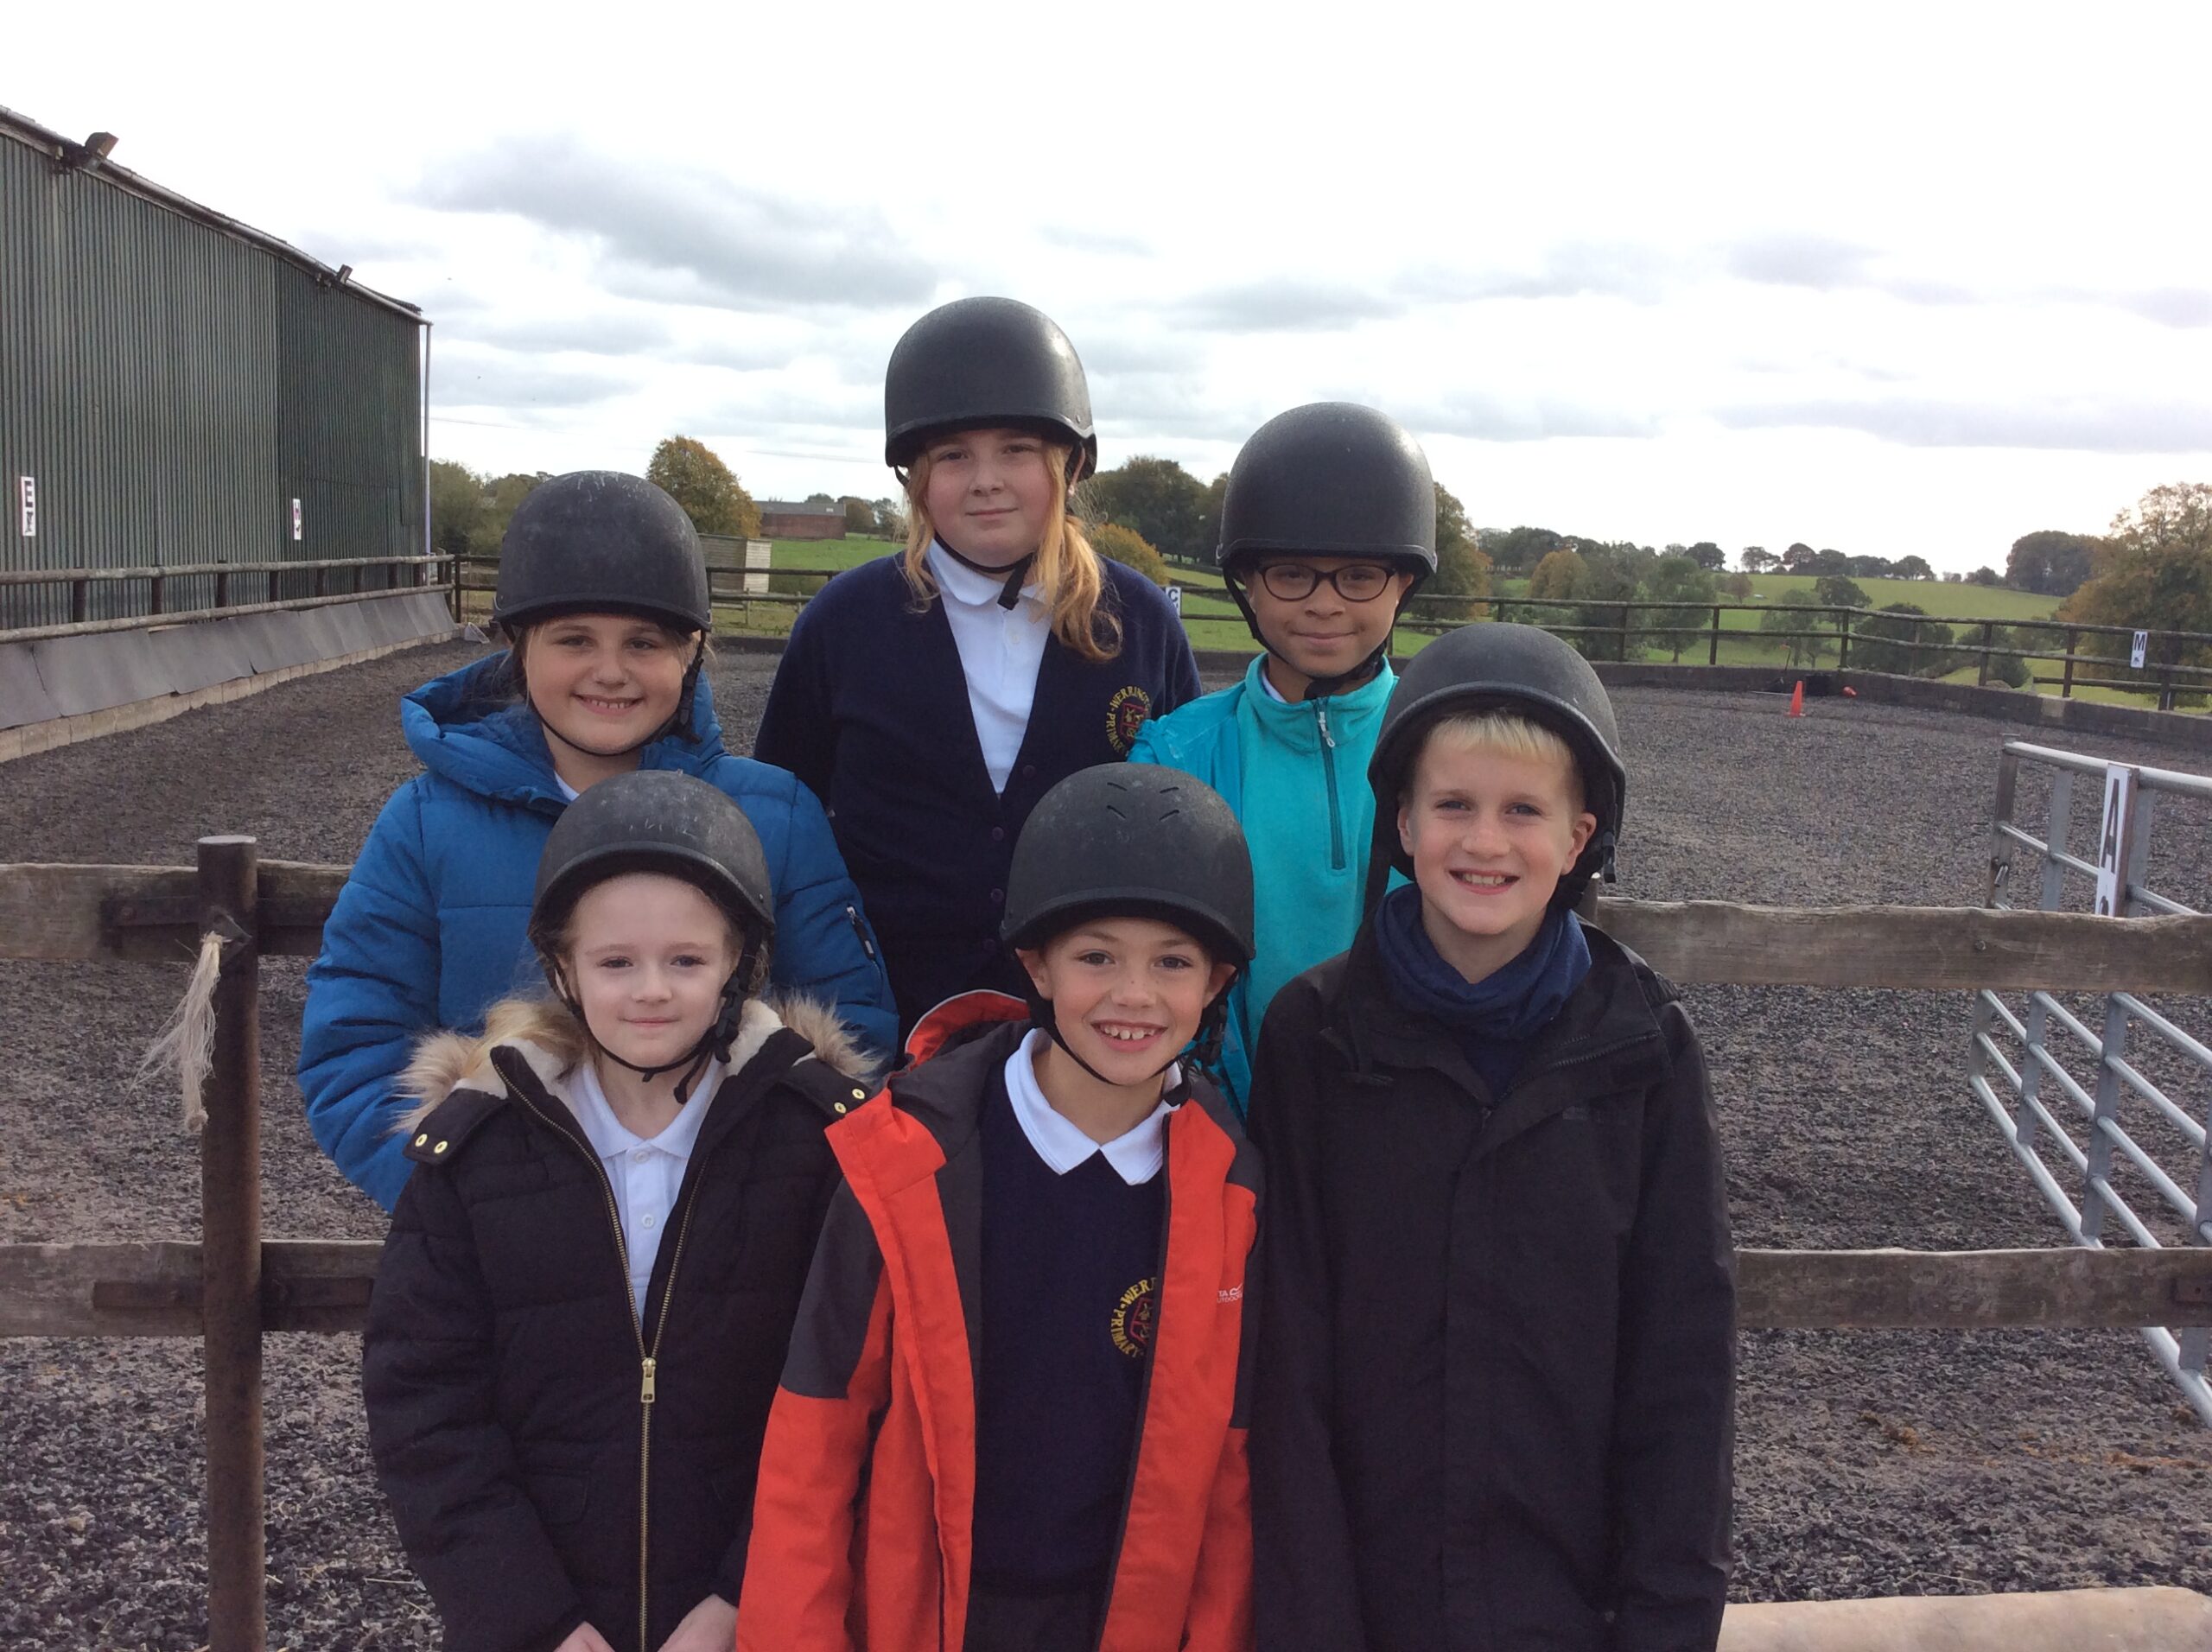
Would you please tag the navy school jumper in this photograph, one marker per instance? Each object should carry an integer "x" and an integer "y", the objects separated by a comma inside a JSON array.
[{"x": 870, "y": 709}]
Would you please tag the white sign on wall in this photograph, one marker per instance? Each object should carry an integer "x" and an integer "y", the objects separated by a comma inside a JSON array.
[
  {"x": 2141, "y": 652},
  {"x": 295, "y": 519},
  {"x": 2113, "y": 841},
  {"x": 28, "y": 486},
  {"x": 758, "y": 555},
  {"x": 1175, "y": 599}
]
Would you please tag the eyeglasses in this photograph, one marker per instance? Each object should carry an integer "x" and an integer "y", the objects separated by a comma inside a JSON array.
[{"x": 1355, "y": 581}]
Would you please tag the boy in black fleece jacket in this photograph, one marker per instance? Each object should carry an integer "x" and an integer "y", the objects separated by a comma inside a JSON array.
[{"x": 1496, "y": 1373}]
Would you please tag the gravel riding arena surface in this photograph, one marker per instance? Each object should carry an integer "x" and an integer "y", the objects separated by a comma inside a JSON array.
[{"x": 1868, "y": 1463}]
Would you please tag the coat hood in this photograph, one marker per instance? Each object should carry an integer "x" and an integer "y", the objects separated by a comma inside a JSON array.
[
  {"x": 545, "y": 1037},
  {"x": 468, "y": 728}
]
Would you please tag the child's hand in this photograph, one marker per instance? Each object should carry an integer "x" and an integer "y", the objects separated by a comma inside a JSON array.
[
  {"x": 710, "y": 1626},
  {"x": 585, "y": 1638}
]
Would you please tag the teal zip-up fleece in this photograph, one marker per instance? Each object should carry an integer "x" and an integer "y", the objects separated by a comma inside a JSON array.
[{"x": 1295, "y": 775}]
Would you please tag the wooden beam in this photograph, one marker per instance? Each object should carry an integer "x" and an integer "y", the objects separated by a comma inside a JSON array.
[
  {"x": 1918, "y": 947},
  {"x": 1972, "y": 1289},
  {"x": 152, "y": 1289},
  {"x": 69, "y": 914}
]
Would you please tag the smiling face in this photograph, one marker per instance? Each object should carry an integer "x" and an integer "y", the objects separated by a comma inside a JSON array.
[
  {"x": 605, "y": 682},
  {"x": 646, "y": 958},
  {"x": 1322, "y": 633},
  {"x": 990, "y": 494},
  {"x": 1126, "y": 992},
  {"x": 1490, "y": 832}
]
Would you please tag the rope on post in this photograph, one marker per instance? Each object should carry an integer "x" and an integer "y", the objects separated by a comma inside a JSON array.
[{"x": 185, "y": 1045}]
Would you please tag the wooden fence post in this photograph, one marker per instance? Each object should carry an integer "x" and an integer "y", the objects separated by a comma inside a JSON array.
[
  {"x": 2066, "y": 682},
  {"x": 1713, "y": 654},
  {"x": 229, "y": 1231},
  {"x": 1988, "y": 632}
]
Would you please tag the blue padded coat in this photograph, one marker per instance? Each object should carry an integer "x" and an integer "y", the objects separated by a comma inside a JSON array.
[{"x": 428, "y": 932}]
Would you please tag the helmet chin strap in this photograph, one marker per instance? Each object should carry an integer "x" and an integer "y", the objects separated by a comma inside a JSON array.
[
  {"x": 1205, "y": 1050},
  {"x": 679, "y": 722},
  {"x": 1016, "y": 576},
  {"x": 713, "y": 1045}
]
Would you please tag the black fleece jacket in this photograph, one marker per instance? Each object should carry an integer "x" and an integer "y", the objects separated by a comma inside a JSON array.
[
  {"x": 503, "y": 1362},
  {"x": 1496, "y": 1374}
]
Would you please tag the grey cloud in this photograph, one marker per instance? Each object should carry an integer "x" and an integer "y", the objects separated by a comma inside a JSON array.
[
  {"x": 2167, "y": 305},
  {"x": 684, "y": 235},
  {"x": 477, "y": 378},
  {"x": 1570, "y": 269},
  {"x": 1930, "y": 422},
  {"x": 1285, "y": 305},
  {"x": 614, "y": 334},
  {"x": 1785, "y": 259},
  {"x": 1489, "y": 418},
  {"x": 1082, "y": 241}
]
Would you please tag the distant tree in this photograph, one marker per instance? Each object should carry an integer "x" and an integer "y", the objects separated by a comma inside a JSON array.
[
  {"x": 2154, "y": 573},
  {"x": 1798, "y": 613},
  {"x": 1737, "y": 587},
  {"x": 1757, "y": 559},
  {"x": 1163, "y": 503},
  {"x": 1519, "y": 550},
  {"x": 1559, "y": 577},
  {"x": 1870, "y": 568},
  {"x": 1884, "y": 641},
  {"x": 504, "y": 495},
  {"x": 1954, "y": 577},
  {"x": 458, "y": 503},
  {"x": 819, "y": 499},
  {"x": 1613, "y": 574},
  {"x": 1677, "y": 579},
  {"x": 1834, "y": 591},
  {"x": 694, "y": 476},
  {"x": 1798, "y": 558},
  {"x": 1210, "y": 528},
  {"x": 2051, "y": 563},
  {"x": 1829, "y": 562},
  {"x": 859, "y": 516},
  {"x": 890, "y": 519},
  {"x": 1131, "y": 548},
  {"x": 1462, "y": 569},
  {"x": 1985, "y": 575},
  {"x": 1912, "y": 567},
  {"x": 1708, "y": 555}
]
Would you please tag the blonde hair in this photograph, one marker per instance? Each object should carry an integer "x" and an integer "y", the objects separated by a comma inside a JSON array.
[
  {"x": 1072, "y": 584},
  {"x": 1508, "y": 733}
]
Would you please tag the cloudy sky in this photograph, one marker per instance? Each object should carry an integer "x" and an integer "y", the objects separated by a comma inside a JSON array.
[{"x": 1893, "y": 279}]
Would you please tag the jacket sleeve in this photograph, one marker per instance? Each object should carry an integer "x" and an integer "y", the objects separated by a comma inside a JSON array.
[
  {"x": 1221, "y": 1585},
  {"x": 799, "y": 1579},
  {"x": 797, "y": 731},
  {"x": 824, "y": 946},
  {"x": 1674, "y": 1404},
  {"x": 371, "y": 993},
  {"x": 447, "y": 1466},
  {"x": 1305, "y": 1590}
]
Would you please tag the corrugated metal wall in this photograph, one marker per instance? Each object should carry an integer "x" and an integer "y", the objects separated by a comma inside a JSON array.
[{"x": 172, "y": 389}]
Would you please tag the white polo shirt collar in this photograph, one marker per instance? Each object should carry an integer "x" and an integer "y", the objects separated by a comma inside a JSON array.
[{"x": 1135, "y": 1155}]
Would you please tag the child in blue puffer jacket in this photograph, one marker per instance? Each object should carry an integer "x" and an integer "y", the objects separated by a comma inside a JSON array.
[
  {"x": 1329, "y": 522},
  {"x": 602, "y": 594}
]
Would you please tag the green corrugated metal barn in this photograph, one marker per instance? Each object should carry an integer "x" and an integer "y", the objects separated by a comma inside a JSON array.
[{"x": 171, "y": 381}]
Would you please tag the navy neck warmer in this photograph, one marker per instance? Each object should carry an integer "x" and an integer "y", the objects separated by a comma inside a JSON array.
[{"x": 1493, "y": 1019}]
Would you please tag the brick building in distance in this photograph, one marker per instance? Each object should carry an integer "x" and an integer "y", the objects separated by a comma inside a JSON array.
[{"x": 783, "y": 520}]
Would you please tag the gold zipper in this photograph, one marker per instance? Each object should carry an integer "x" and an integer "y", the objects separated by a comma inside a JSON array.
[
  {"x": 651, "y": 1363},
  {"x": 645, "y": 1362}
]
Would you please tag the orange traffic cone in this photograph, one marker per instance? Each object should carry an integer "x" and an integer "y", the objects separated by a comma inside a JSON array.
[{"x": 1797, "y": 699}]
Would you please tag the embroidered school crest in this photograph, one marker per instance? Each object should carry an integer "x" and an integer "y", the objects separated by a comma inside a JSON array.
[
  {"x": 1125, "y": 715},
  {"x": 1131, "y": 1324}
]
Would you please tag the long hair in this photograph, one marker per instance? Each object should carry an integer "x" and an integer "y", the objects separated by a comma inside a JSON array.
[{"x": 1072, "y": 584}]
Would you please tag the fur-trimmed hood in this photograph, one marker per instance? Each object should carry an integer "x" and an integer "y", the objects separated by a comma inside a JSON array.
[{"x": 547, "y": 1037}]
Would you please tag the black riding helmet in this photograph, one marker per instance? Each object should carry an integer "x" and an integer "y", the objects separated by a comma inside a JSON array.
[
  {"x": 1514, "y": 668},
  {"x": 1137, "y": 840},
  {"x": 660, "y": 820},
  {"x": 605, "y": 542},
  {"x": 1331, "y": 479},
  {"x": 978, "y": 362}
]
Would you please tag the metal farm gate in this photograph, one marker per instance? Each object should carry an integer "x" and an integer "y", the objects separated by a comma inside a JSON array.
[{"x": 2122, "y": 1119}]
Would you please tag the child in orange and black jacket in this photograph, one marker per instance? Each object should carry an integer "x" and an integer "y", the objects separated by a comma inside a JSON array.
[{"x": 1012, "y": 1414}]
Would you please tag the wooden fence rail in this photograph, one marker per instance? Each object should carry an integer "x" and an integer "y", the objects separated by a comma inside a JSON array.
[{"x": 234, "y": 1286}]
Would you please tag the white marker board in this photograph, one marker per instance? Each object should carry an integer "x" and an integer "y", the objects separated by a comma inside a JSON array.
[{"x": 2114, "y": 837}]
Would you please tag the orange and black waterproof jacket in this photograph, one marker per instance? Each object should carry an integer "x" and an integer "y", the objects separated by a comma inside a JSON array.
[{"x": 861, "y": 1526}]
